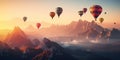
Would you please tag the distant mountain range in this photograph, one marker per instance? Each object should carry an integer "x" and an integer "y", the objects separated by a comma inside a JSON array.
[
  {"x": 17, "y": 46},
  {"x": 78, "y": 29},
  {"x": 49, "y": 51}
]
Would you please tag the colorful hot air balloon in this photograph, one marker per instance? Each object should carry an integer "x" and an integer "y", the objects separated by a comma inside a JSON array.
[
  {"x": 24, "y": 19},
  {"x": 101, "y": 20},
  {"x": 84, "y": 10},
  {"x": 38, "y": 25},
  {"x": 59, "y": 11},
  {"x": 80, "y": 13},
  {"x": 95, "y": 10},
  {"x": 52, "y": 14}
]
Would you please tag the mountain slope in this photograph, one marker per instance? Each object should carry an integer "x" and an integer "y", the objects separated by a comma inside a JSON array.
[
  {"x": 80, "y": 29},
  {"x": 17, "y": 38},
  {"x": 53, "y": 51},
  {"x": 115, "y": 34}
]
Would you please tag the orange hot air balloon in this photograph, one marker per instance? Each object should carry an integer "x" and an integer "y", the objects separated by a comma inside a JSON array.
[
  {"x": 52, "y": 14},
  {"x": 38, "y": 25},
  {"x": 95, "y": 10},
  {"x": 84, "y": 10}
]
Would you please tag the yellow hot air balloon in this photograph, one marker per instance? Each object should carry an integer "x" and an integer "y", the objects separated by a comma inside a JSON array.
[
  {"x": 80, "y": 13},
  {"x": 101, "y": 20}
]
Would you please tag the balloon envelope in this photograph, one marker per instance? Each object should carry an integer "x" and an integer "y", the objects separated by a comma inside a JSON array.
[
  {"x": 59, "y": 11},
  {"x": 105, "y": 12},
  {"x": 80, "y": 13},
  {"x": 38, "y": 25},
  {"x": 95, "y": 10},
  {"x": 52, "y": 14},
  {"x": 24, "y": 19},
  {"x": 114, "y": 22},
  {"x": 84, "y": 10},
  {"x": 101, "y": 20}
]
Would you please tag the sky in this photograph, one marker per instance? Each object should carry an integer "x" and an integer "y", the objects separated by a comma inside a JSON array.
[{"x": 13, "y": 11}]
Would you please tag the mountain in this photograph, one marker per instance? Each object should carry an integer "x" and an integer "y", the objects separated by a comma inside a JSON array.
[
  {"x": 36, "y": 42},
  {"x": 53, "y": 51},
  {"x": 115, "y": 34},
  {"x": 4, "y": 46},
  {"x": 32, "y": 32},
  {"x": 77, "y": 29},
  {"x": 7, "y": 53},
  {"x": 85, "y": 54},
  {"x": 17, "y": 38},
  {"x": 87, "y": 30}
]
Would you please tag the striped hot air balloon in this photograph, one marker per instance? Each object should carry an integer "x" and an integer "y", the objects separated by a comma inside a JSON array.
[{"x": 95, "y": 10}]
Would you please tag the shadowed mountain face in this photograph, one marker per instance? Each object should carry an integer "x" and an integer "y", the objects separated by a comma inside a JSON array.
[
  {"x": 17, "y": 38},
  {"x": 53, "y": 51},
  {"x": 4, "y": 46},
  {"x": 8, "y": 53},
  {"x": 115, "y": 34},
  {"x": 49, "y": 51}
]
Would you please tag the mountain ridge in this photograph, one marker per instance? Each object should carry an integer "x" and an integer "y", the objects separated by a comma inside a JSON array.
[{"x": 16, "y": 37}]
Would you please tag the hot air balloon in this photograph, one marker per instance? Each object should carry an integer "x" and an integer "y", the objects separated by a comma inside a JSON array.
[
  {"x": 95, "y": 10},
  {"x": 101, "y": 20},
  {"x": 24, "y": 19},
  {"x": 84, "y": 10},
  {"x": 105, "y": 12},
  {"x": 38, "y": 25},
  {"x": 114, "y": 22},
  {"x": 59, "y": 11},
  {"x": 80, "y": 13},
  {"x": 52, "y": 14}
]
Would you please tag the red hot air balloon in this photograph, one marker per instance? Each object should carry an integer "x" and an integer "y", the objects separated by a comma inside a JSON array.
[
  {"x": 84, "y": 10},
  {"x": 52, "y": 14},
  {"x": 38, "y": 25},
  {"x": 95, "y": 10}
]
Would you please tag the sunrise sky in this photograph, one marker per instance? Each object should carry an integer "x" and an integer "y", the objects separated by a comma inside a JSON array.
[{"x": 12, "y": 11}]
